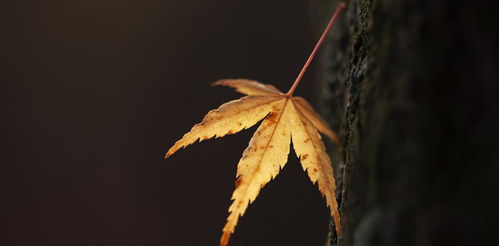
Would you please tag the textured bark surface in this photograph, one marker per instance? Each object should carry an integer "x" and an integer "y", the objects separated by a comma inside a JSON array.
[{"x": 411, "y": 88}]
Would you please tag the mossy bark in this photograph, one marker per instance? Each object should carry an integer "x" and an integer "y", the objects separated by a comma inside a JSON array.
[{"x": 412, "y": 89}]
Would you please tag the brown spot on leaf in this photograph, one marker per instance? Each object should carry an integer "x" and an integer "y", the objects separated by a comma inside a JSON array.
[
  {"x": 272, "y": 118},
  {"x": 303, "y": 157},
  {"x": 307, "y": 140},
  {"x": 230, "y": 132},
  {"x": 238, "y": 182}
]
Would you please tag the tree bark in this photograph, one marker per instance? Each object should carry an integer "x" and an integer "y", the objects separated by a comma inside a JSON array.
[{"x": 412, "y": 89}]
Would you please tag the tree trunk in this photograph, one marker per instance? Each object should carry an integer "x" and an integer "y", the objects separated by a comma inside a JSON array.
[{"x": 411, "y": 88}]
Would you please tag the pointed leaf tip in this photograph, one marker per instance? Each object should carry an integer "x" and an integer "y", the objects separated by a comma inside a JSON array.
[
  {"x": 168, "y": 154},
  {"x": 225, "y": 238}
]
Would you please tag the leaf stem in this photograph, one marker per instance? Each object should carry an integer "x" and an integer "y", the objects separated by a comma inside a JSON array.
[{"x": 337, "y": 12}]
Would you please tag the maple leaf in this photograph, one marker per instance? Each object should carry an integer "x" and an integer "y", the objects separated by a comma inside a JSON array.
[{"x": 286, "y": 119}]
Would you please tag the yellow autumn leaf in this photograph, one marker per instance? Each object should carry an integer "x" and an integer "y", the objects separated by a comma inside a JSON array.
[{"x": 286, "y": 119}]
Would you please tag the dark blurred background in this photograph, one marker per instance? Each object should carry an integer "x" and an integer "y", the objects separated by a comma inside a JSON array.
[{"x": 92, "y": 95}]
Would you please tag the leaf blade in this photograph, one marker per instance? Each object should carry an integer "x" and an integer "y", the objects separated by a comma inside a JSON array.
[
  {"x": 312, "y": 153},
  {"x": 249, "y": 87},
  {"x": 229, "y": 118},
  {"x": 266, "y": 154}
]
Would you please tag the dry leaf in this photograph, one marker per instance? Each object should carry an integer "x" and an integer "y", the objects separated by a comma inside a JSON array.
[{"x": 286, "y": 119}]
